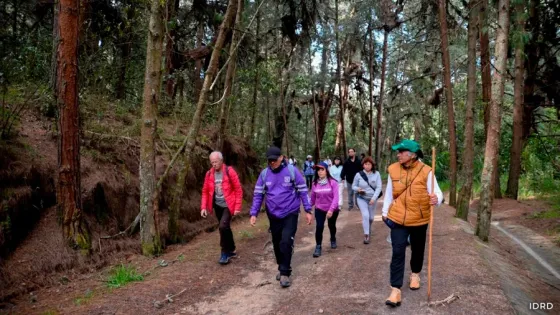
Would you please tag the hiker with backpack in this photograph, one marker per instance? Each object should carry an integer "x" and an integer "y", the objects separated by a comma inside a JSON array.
[
  {"x": 349, "y": 170},
  {"x": 336, "y": 170},
  {"x": 367, "y": 185},
  {"x": 406, "y": 211},
  {"x": 324, "y": 196},
  {"x": 285, "y": 191},
  {"x": 222, "y": 194},
  {"x": 308, "y": 171}
]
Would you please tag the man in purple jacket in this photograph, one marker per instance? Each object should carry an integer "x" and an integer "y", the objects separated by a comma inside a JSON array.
[{"x": 284, "y": 188}]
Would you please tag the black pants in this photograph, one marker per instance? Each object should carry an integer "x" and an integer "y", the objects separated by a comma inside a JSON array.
[
  {"x": 283, "y": 231},
  {"x": 309, "y": 181},
  {"x": 399, "y": 235},
  {"x": 320, "y": 217},
  {"x": 226, "y": 235}
]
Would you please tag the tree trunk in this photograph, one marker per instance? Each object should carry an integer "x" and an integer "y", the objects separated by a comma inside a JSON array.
[
  {"x": 198, "y": 63},
  {"x": 230, "y": 73},
  {"x": 371, "y": 79},
  {"x": 493, "y": 137},
  {"x": 378, "y": 134},
  {"x": 341, "y": 130},
  {"x": 125, "y": 50},
  {"x": 149, "y": 234},
  {"x": 190, "y": 140},
  {"x": 257, "y": 77},
  {"x": 449, "y": 98},
  {"x": 517, "y": 142},
  {"x": 68, "y": 190},
  {"x": 486, "y": 66},
  {"x": 468, "y": 155},
  {"x": 172, "y": 60},
  {"x": 317, "y": 152}
]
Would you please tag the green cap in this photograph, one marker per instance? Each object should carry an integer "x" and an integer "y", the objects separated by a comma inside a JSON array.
[{"x": 407, "y": 145}]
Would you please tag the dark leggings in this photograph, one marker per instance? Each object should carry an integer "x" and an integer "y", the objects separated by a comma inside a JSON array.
[
  {"x": 320, "y": 217},
  {"x": 309, "y": 180}
]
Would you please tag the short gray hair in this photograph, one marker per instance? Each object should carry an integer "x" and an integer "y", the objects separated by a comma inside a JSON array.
[{"x": 218, "y": 153}]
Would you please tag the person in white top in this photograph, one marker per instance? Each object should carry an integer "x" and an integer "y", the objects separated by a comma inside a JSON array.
[
  {"x": 406, "y": 211},
  {"x": 335, "y": 170}
]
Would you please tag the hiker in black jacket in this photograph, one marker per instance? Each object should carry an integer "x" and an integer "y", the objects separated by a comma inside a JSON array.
[{"x": 349, "y": 170}]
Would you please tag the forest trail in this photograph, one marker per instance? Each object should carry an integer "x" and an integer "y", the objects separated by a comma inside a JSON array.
[{"x": 352, "y": 279}]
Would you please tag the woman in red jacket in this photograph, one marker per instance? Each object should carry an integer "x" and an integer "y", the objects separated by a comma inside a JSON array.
[{"x": 222, "y": 193}]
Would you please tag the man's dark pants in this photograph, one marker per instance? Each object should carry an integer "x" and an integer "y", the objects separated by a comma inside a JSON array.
[{"x": 283, "y": 231}]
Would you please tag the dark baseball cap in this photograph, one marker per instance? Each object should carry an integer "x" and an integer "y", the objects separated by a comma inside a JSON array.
[{"x": 273, "y": 153}]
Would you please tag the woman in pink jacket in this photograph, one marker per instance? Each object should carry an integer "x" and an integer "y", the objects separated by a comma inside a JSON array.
[{"x": 324, "y": 196}]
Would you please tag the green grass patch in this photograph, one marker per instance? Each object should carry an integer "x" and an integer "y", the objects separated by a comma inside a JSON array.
[
  {"x": 553, "y": 213},
  {"x": 122, "y": 275},
  {"x": 51, "y": 312}
]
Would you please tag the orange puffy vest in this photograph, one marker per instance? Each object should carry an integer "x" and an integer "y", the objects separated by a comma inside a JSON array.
[{"x": 411, "y": 202}]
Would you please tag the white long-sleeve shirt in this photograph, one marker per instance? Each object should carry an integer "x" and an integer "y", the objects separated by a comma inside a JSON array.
[{"x": 388, "y": 200}]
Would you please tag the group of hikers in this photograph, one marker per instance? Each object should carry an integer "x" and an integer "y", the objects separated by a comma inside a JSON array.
[{"x": 407, "y": 202}]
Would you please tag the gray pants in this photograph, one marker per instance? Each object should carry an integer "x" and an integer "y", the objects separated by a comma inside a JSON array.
[
  {"x": 368, "y": 212},
  {"x": 351, "y": 195}
]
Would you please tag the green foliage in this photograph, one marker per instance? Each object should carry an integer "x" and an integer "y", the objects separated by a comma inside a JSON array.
[{"x": 122, "y": 275}]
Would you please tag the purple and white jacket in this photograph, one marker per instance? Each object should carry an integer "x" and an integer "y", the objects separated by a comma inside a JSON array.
[{"x": 282, "y": 198}]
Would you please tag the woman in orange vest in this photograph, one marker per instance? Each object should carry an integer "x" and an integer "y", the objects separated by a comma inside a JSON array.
[{"x": 406, "y": 210}]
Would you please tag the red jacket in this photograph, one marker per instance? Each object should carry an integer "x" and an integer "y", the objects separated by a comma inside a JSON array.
[{"x": 233, "y": 193}]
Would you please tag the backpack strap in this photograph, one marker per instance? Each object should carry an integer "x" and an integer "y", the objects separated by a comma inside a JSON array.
[
  {"x": 292, "y": 177},
  {"x": 364, "y": 176},
  {"x": 263, "y": 179}
]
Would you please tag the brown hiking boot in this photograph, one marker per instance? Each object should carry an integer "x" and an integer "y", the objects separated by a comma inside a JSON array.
[
  {"x": 395, "y": 298},
  {"x": 414, "y": 281}
]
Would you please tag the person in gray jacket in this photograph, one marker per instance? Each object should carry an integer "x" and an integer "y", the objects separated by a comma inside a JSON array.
[{"x": 367, "y": 184}]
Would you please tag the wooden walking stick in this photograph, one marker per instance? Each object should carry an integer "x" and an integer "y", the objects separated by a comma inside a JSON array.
[{"x": 430, "y": 227}]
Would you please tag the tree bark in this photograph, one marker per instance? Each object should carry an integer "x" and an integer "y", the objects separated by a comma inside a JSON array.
[
  {"x": 378, "y": 134},
  {"x": 486, "y": 66},
  {"x": 317, "y": 152},
  {"x": 149, "y": 234},
  {"x": 341, "y": 130},
  {"x": 257, "y": 77},
  {"x": 371, "y": 77},
  {"x": 68, "y": 189},
  {"x": 190, "y": 141},
  {"x": 449, "y": 98},
  {"x": 172, "y": 59},
  {"x": 517, "y": 142},
  {"x": 198, "y": 63},
  {"x": 125, "y": 50},
  {"x": 468, "y": 154},
  {"x": 493, "y": 137},
  {"x": 230, "y": 73}
]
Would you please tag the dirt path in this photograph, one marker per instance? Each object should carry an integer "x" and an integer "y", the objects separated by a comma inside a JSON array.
[{"x": 353, "y": 279}]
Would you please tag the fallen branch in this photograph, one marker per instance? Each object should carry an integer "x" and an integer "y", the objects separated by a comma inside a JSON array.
[
  {"x": 130, "y": 227},
  {"x": 447, "y": 300},
  {"x": 103, "y": 135},
  {"x": 168, "y": 299}
]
